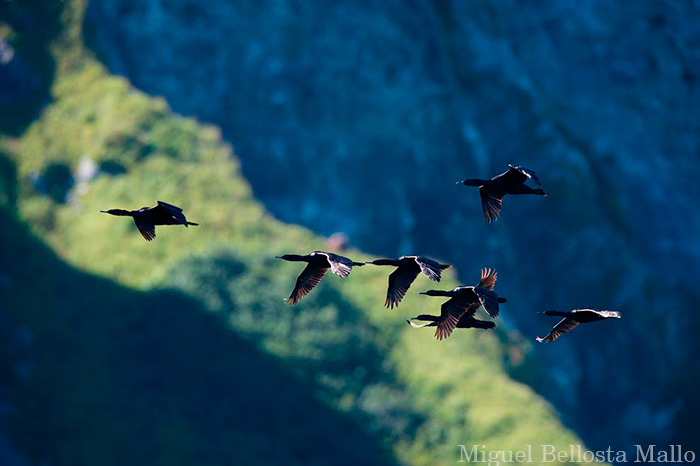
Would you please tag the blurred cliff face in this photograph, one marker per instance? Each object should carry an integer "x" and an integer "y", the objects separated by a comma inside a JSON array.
[{"x": 360, "y": 116}]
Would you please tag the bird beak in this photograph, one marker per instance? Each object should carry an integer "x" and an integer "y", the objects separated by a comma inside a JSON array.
[
  {"x": 459, "y": 182},
  {"x": 278, "y": 257},
  {"x": 423, "y": 292},
  {"x": 103, "y": 211}
]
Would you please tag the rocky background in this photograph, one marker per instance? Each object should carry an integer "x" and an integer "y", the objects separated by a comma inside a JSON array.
[{"x": 360, "y": 116}]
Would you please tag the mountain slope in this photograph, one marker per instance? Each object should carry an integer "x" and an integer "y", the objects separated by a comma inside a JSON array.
[
  {"x": 179, "y": 345},
  {"x": 101, "y": 374},
  {"x": 400, "y": 99}
]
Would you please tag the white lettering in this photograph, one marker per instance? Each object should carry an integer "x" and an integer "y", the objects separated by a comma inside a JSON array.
[
  {"x": 620, "y": 458},
  {"x": 643, "y": 457},
  {"x": 548, "y": 455},
  {"x": 472, "y": 456}
]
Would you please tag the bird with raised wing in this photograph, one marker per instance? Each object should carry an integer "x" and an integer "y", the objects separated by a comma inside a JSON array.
[
  {"x": 509, "y": 182},
  {"x": 571, "y": 319},
  {"x": 463, "y": 303},
  {"x": 146, "y": 218},
  {"x": 318, "y": 263},
  {"x": 407, "y": 270}
]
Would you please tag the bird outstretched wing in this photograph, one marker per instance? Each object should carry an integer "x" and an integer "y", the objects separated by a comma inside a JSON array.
[
  {"x": 565, "y": 325},
  {"x": 451, "y": 311},
  {"x": 340, "y": 265},
  {"x": 399, "y": 282},
  {"x": 147, "y": 230},
  {"x": 490, "y": 203},
  {"x": 522, "y": 174},
  {"x": 307, "y": 280},
  {"x": 170, "y": 207},
  {"x": 430, "y": 268},
  {"x": 484, "y": 290},
  {"x": 488, "y": 301},
  {"x": 488, "y": 279},
  {"x": 172, "y": 210}
]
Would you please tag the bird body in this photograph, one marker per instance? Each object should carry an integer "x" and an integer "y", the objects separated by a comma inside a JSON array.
[
  {"x": 463, "y": 303},
  {"x": 571, "y": 319},
  {"x": 466, "y": 321},
  {"x": 146, "y": 218},
  {"x": 318, "y": 263},
  {"x": 509, "y": 182},
  {"x": 407, "y": 270}
]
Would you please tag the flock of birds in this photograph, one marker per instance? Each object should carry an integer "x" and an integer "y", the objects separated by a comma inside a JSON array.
[{"x": 464, "y": 301}]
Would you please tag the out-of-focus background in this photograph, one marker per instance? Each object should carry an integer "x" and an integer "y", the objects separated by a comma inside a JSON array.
[{"x": 278, "y": 124}]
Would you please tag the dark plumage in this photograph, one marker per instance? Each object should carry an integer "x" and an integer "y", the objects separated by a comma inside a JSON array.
[
  {"x": 466, "y": 321},
  {"x": 573, "y": 318},
  {"x": 510, "y": 182},
  {"x": 146, "y": 218},
  {"x": 459, "y": 310},
  {"x": 318, "y": 264},
  {"x": 407, "y": 270}
]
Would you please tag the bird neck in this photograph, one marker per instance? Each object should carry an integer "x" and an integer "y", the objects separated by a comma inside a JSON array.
[
  {"x": 473, "y": 182},
  {"x": 438, "y": 293},
  {"x": 119, "y": 212},
  {"x": 556, "y": 313},
  {"x": 294, "y": 258},
  {"x": 427, "y": 317},
  {"x": 384, "y": 262}
]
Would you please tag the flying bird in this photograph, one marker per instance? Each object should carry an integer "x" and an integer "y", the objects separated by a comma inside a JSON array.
[
  {"x": 318, "y": 264},
  {"x": 466, "y": 321},
  {"x": 146, "y": 218},
  {"x": 407, "y": 270},
  {"x": 571, "y": 319},
  {"x": 510, "y": 182},
  {"x": 463, "y": 303}
]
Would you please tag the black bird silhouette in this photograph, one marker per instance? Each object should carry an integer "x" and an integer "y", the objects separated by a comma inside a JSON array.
[
  {"x": 407, "y": 270},
  {"x": 571, "y": 319},
  {"x": 146, "y": 218},
  {"x": 466, "y": 321},
  {"x": 463, "y": 303},
  {"x": 510, "y": 182},
  {"x": 318, "y": 264}
]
